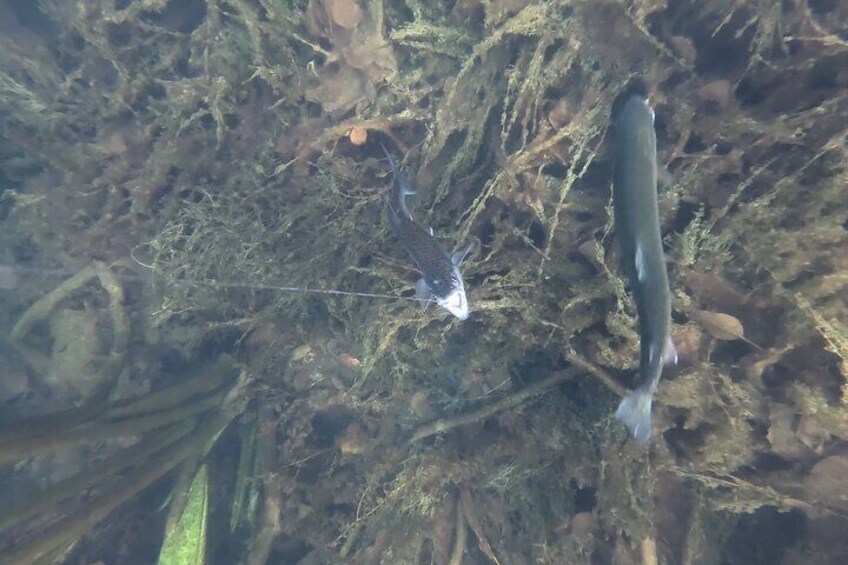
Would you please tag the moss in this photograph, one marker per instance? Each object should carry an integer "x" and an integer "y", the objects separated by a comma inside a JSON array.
[
  {"x": 699, "y": 243},
  {"x": 813, "y": 404}
]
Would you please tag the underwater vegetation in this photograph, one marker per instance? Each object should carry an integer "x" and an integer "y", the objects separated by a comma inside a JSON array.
[{"x": 164, "y": 165}]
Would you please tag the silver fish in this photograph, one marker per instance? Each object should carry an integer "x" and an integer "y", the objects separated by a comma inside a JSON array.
[
  {"x": 637, "y": 229},
  {"x": 441, "y": 280}
]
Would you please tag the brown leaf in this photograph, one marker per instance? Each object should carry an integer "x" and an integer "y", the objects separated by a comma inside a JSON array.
[
  {"x": 340, "y": 89},
  {"x": 344, "y": 13},
  {"x": 444, "y": 525},
  {"x": 582, "y": 528},
  {"x": 687, "y": 341},
  {"x": 721, "y": 326},
  {"x": 473, "y": 520},
  {"x": 358, "y": 135},
  {"x": 360, "y": 58},
  {"x": 713, "y": 291},
  {"x": 718, "y": 92},
  {"x": 594, "y": 253},
  {"x": 754, "y": 364},
  {"x": 812, "y": 433}
]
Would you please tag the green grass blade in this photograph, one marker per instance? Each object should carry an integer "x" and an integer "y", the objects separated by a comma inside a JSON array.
[{"x": 185, "y": 538}]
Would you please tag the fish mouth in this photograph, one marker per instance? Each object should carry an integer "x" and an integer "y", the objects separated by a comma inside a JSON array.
[{"x": 455, "y": 303}]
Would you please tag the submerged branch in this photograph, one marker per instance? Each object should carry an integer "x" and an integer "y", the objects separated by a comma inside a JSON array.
[
  {"x": 446, "y": 424},
  {"x": 597, "y": 372}
]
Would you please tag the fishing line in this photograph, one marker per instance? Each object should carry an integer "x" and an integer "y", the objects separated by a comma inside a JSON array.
[{"x": 225, "y": 285}]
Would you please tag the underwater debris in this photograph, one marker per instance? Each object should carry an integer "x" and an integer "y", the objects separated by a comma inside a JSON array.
[
  {"x": 721, "y": 326},
  {"x": 363, "y": 58},
  {"x": 358, "y": 135},
  {"x": 827, "y": 482}
]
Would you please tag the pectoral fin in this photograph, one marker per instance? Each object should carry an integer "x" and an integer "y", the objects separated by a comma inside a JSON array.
[
  {"x": 664, "y": 178},
  {"x": 459, "y": 256},
  {"x": 669, "y": 353},
  {"x": 423, "y": 293}
]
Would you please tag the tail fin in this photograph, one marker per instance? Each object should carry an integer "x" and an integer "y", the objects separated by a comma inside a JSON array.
[{"x": 635, "y": 412}]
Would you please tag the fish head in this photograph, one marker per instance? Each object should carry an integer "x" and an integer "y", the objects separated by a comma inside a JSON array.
[{"x": 453, "y": 299}]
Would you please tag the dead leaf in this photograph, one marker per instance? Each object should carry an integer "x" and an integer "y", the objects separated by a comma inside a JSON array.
[
  {"x": 344, "y": 13},
  {"x": 649, "y": 551},
  {"x": 354, "y": 441},
  {"x": 473, "y": 520},
  {"x": 444, "y": 525},
  {"x": 340, "y": 89},
  {"x": 714, "y": 291},
  {"x": 373, "y": 56},
  {"x": 561, "y": 113},
  {"x": 828, "y": 481},
  {"x": 593, "y": 252},
  {"x": 718, "y": 92},
  {"x": 687, "y": 341},
  {"x": 498, "y": 11},
  {"x": 582, "y": 528},
  {"x": 781, "y": 434},
  {"x": 683, "y": 47},
  {"x": 812, "y": 433},
  {"x": 754, "y": 364},
  {"x": 360, "y": 58},
  {"x": 349, "y": 361},
  {"x": 624, "y": 553},
  {"x": 358, "y": 135},
  {"x": 721, "y": 326}
]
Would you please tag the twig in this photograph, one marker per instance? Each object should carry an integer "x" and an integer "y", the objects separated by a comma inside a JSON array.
[
  {"x": 460, "y": 539},
  {"x": 649, "y": 551},
  {"x": 577, "y": 359},
  {"x": 42, "y": 307},
  {"x": 466, "y": 503},
  {"x": 446, "y": 424},
  {"x": 110, "y": 373},
  {"x": 270, "y": 526}
]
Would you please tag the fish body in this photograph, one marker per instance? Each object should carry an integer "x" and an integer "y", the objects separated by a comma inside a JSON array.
[
  {"x": 441, "y": 280},
  {"x": 637, "y": 229}
]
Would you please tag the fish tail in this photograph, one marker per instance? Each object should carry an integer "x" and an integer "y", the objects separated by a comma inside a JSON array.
[{"x": 635, "y": 412}]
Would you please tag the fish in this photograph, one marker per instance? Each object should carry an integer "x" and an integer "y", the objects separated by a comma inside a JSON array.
[
  {"x": 441, "y": 280},
  {"x": 637, "y": 228}
]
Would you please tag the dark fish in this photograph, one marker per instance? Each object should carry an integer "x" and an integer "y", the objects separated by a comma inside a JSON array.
[
  {"x": 441, "y": 280},
  {"x": 637, "y": 229}
]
